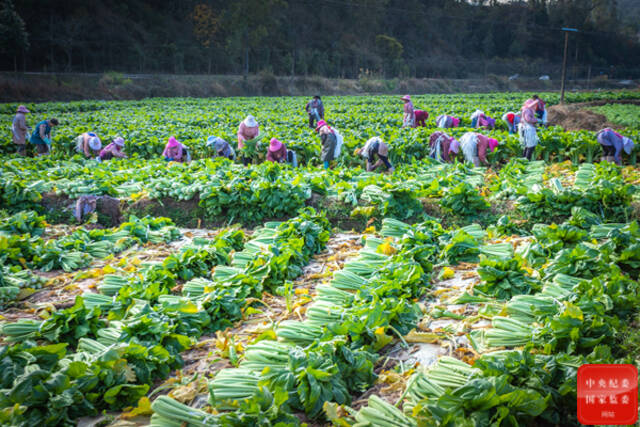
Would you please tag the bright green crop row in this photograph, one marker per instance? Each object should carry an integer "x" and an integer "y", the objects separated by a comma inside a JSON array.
[{"x": 147, "y": 124}]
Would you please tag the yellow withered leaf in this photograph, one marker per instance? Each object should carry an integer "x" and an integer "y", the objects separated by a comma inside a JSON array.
[
  {"x": 421, "y": 337},
  {"x": 447, "y": 273},
  {"x": 387, "y": 249},
  {"x": 143, "y": 408}
]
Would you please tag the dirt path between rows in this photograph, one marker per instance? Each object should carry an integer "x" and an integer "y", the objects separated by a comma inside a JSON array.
[{"x": 578, "y": 116}]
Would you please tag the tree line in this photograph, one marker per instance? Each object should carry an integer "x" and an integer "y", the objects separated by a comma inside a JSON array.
[{"x": 332, "y": 38}]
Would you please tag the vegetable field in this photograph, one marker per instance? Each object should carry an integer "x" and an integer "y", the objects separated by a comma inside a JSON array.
[{"x": 231, "y": 295}]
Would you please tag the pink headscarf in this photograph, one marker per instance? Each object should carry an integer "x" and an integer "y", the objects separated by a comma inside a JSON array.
[
  {"x": 322, "y": 124},
  {"x": 406, "y": 98},
  {"x": 493, "y": 143},
  {"x": 455, "y": 122},
  {"x": 274, "y": 145},
  {"x": 23, "y": 109},
  {"x": 172, "y": 143}
]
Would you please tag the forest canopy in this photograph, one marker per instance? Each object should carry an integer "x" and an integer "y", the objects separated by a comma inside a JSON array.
[{"x": 333, "y": 38}]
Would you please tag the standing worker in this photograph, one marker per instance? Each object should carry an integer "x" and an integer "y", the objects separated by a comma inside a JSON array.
[
  {"x": 527, "y": 132},
  {"x": 88, "y": 144},
  {"x": 409, "y": 115},
  {"x": 612, "y": 145},
  {"x": 445, "y": 121},
  {"x": 315, "y": 109},
  {"x": 443, "y": 147},
  {"x": 512, "y": 120},
  {"x": 20, "y": 130},
  {"x": 329, "y": 141},
  {"x": 474, "y": 147},
  {"x": 41, "y": 136},
  {"x": 539, "y": 108},
  {"x": 375, "y": 147}
]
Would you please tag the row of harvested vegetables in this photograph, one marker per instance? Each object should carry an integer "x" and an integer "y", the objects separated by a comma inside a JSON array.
[{"x": 554, "y": 303}]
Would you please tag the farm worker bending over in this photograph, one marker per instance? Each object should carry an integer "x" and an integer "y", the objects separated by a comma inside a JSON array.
[
  {"x": 539, "y": 108},
  {"x": 174, "y": 151},
  {"x": 248, "y": 130},
  {"x": 527, "y": 132},
  {"x": 512, "y": 120},
  {"x": 409, "y": 115},
  {"x": 443, "y": 147},
  {"x": 88, "y": 144},
  {"x": 329, "y": 141},
  {"x": 445, "y": 121},
  {"x": 474, "y": 147},
  {"x": 612, "y": 145},
  {"x": 221, "y": 148},
  {"x": 315, "y": 109},
  {"x": 41, "y": 136},
  {"x": 373, "y": 148},
  {"x": 20, "y": 130},
  {"x": 113, "y": 149},
  {"x": 278, "y": 153},
  {"x": 474, "y": 118},
  {"x": 421, "y": 117}
]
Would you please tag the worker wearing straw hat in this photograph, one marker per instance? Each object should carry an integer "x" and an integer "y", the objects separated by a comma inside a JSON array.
[
  {"x": 88, "y": 144},
  {"x": 612, "y": 145},
  {"x": 221, "y": 148},
  {"x": 409, "y": 114},
  {"x": 20, "y": 130},
  {"x": 113, "y": 149}
]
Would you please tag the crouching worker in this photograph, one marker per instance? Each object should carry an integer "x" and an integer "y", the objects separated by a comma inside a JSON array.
[
  {"x": 421, "y": 118},
  {"x": 175, "y": 151},
  {"x": 376, "y": 154},
  {"x": 278, "y": 153},
  {"x": 512, "y": 120},
  {"x": 113, "y": 150},
  {"x": 221, "y": 148},
  {"x": 88, "y": 144},
  {"x": 474, "y": 147},
  {"x": 445, "y": 121},
  {"x": 612, "y": 145},
  {"x": 443, "y": 147}
]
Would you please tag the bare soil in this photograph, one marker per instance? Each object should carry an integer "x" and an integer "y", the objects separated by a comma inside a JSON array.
[{"x": 578, "y": 116}]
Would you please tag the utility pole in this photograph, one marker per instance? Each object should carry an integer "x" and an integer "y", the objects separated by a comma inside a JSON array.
[{"x": 564, "y": 60}]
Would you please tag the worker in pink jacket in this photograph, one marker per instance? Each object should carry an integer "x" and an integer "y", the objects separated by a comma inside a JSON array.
[
  {"x": 409, "y": 115},
  {"x": 248, "y": 130}
]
